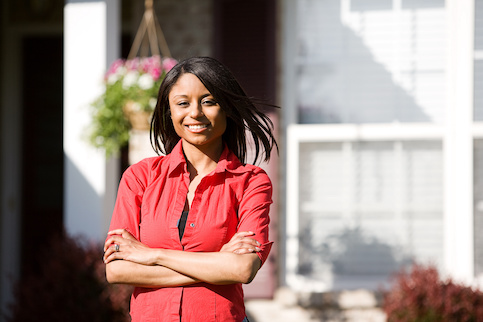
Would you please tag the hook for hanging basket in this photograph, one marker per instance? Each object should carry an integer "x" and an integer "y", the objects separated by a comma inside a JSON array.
[{"x": 149, "y": 30}]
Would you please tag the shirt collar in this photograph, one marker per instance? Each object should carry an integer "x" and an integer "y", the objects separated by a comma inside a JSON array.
[
  {"x": 228, "y": 161},
  {"x": 176, "y": 158}
]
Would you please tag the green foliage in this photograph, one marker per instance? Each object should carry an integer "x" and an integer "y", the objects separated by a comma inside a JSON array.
[{"x": 109, "y": 127}]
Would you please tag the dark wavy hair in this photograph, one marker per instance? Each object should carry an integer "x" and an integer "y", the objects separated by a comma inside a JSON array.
[{"x": 242, "y": 113}]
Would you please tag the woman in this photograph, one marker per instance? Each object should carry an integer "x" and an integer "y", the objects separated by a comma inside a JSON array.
[{"x": 190, "y": 227}]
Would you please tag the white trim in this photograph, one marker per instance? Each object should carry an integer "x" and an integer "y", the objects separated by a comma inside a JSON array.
[
  {"x": 478, "y": 55},
  {"x": 458, "y": 142},
  {"x": 288, "y": 114},
  {"x": 364, "y": 132},
  {"x": 477, "y": 130},
  {"x": 288, "y": 74},
  {"x": 292, "y": 210}
]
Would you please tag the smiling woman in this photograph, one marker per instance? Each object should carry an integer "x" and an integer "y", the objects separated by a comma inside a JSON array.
[
  {"x": 190, "y": 227},
  {"x": 197, "y": 118}
]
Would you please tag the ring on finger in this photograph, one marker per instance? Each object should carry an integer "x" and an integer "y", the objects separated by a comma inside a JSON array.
[{"x": 117, "y": 247}]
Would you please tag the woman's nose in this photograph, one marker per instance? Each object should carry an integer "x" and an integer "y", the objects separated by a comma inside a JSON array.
[{"x": 196, "y": 110}]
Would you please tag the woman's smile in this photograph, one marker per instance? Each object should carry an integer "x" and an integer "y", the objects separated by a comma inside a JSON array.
[{"x": 197, "y": 128}]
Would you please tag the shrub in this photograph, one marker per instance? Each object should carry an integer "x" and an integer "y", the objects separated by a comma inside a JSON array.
[
  {"x": 420, "y": 295},
  {"x": 69, "y": 285}
]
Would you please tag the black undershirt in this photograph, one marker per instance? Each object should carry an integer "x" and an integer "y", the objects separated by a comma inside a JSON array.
[{"x": 182, "y": 223}]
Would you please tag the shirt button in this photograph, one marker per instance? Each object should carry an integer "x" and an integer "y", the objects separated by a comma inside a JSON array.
[{"x": 192, "y": 225}]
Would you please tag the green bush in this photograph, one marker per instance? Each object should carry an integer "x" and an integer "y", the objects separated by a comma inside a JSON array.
[
  {"x": 419, "y": 295},
  {"x": 69, "y": 285}
]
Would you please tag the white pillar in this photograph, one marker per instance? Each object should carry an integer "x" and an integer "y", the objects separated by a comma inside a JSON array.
[
  {"x": 458, "y": 143},
  {"x": 91, "y": 43}
]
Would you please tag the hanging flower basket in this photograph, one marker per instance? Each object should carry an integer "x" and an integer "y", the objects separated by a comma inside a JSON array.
[
  {"x": 138, "y": 118},
  {"x": 128, "y": 101}
]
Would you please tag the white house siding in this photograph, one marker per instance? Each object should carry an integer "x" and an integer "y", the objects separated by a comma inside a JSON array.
[{"x": 366, "y": 186}]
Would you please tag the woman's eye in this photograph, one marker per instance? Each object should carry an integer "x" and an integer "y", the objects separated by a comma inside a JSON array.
[
  {"x": 182, "y": 103},
  {"x": 209, "y": 102}
]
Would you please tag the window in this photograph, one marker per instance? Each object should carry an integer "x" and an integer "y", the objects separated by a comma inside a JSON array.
[
  {"x": 365, "y": 161},
  {"x": 370, "y": 61}
]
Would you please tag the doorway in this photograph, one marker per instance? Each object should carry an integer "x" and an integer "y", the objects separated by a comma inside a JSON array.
[{"x": 42, "y": 145}]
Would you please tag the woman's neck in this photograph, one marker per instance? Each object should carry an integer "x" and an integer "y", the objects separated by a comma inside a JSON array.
[{"x": 201, "y": 161}]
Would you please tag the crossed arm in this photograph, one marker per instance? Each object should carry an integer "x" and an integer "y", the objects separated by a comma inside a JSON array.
[{"x": 139, "y": 265}]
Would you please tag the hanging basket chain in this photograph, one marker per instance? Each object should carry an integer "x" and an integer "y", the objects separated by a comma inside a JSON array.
[{"x": 150, "y": 26}]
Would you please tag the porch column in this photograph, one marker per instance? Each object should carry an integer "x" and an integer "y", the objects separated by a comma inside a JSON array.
[
  {"x": 91, "y": 43},
  {"x": 458, "y": 143}
]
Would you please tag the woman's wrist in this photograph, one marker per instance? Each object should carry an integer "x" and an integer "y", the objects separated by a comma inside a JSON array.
[{"x": 158, "y": 256}]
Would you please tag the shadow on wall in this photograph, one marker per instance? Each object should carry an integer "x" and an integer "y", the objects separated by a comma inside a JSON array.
[
  {"x": 352, "y": 257},
  {"x": 85, "y": 205},
  {"x": 340, "y": 80}
]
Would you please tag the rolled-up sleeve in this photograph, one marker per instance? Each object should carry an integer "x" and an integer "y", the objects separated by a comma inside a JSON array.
[
  {"x": 254, "y": 211},
  {"x": 127, "y": 209}
]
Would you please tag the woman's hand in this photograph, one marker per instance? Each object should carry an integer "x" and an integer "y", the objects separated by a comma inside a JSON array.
[
  {"x": 122, "y": 245},
  {"x": 240, "y": 243}
]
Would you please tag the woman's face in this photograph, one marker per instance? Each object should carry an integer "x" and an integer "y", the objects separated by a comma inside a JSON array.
[{"x": 197, "y": 117}]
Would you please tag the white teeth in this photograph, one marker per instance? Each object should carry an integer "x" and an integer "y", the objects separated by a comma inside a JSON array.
[{"x": 197, "y": 127}]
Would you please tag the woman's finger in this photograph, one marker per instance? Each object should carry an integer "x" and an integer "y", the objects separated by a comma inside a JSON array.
[
  {"x": 241, "y": 251},
  {"x": 113, "y": 240},
  {"x": 121, "y": 232},
  {"x": 250, "y": 241},
  {"x": 109, "y": 251},
  {"x": 241, "y": 240},
  {"x": 108, "y": 243},
  {"x": 127, "y": 235},
  {"x": 110, "y": 256},
  {"x": 117, "y": 231},
  {"x": 248, "y": 247},
  {"x": 243, "y": 234}
]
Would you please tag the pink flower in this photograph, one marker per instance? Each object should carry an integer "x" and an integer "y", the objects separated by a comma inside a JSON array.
[
  {"x": 169, "y": 63},
  {"x": 148, "y": 63},
  {"x": 132, "y": 64},
  {"x": 155, "y": 73},
  {"x": 153, "y": 65},
  {"x": 114, "y": 67}
]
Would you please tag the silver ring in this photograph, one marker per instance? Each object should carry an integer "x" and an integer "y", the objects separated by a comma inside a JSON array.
[{"x": 116, "y": 247}]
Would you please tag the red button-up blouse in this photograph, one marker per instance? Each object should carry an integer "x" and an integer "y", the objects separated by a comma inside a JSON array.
[{"x": 150, "y": 200}]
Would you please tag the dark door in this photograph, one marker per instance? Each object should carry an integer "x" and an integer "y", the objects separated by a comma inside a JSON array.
[{"x": 42, "y": 150}]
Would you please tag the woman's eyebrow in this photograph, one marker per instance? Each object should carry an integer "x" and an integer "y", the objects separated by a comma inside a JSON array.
[
  {"x": 185, "y": 96},
  {"x": 180, "y": 95}
]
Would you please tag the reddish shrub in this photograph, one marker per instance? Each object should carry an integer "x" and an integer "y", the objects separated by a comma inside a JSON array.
[
  {"x": 69, "y": 285},
  {"x": 419, "y": 295}
]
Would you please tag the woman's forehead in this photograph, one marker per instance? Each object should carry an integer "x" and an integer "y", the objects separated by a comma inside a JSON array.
[{"x": 188, "y": 85}]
